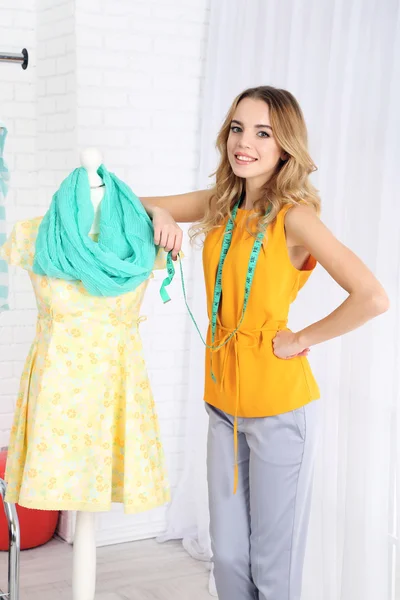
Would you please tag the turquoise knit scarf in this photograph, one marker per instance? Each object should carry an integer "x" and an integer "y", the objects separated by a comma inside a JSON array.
[{"x": 123, "y": 256}]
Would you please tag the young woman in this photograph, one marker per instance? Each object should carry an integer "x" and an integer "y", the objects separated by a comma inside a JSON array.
[{"x": 263, "y": 238}]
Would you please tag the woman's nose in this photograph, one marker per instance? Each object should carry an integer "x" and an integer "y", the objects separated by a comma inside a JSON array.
[{"x": 243, "y": 142}]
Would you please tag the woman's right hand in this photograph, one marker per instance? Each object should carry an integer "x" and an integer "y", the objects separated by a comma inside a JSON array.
[{"x": 167, "y": 233}]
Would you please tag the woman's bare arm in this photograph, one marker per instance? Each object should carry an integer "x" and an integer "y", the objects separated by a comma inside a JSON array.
[
  {"x": 167, "y": 211},
  {"x": 183, "y": 208},
  {"x": 366, "y": 299}
]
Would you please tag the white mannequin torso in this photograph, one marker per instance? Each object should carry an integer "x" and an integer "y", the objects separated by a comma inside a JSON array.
[{"x": 91, "y": 160}]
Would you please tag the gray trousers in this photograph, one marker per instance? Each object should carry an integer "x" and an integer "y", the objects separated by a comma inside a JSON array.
[{"x": 258, "y": 536}]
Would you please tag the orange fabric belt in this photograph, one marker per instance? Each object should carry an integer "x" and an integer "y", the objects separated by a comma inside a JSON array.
[{"x": 255, "y": 336}]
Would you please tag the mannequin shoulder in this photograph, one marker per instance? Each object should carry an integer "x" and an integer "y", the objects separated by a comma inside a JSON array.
[
  {"x": 27, "y": 230},
  {"x": 19, "y": 248}
]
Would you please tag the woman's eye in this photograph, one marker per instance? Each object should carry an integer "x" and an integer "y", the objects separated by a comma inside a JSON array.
[
  {"x": 235, "y": 129},
  {"x": 263, "y": 134}
]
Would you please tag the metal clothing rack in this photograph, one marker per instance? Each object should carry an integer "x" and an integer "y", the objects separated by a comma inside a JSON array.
[
  {"x": 19, "y": 59},
  {"x": 9, "y": 509},
  {"x": 14, "y": 548}
]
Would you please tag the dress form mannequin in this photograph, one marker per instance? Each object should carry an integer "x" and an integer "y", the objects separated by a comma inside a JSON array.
[
  {"x": 90, "y": 458},
  {"x": 84, "y": 554}
]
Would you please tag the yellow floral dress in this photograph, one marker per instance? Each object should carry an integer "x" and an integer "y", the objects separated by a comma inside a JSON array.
[{"x": 85, "y": 430}]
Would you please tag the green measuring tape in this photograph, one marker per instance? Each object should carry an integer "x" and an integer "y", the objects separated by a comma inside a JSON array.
[{"x": 218, "y": 282}]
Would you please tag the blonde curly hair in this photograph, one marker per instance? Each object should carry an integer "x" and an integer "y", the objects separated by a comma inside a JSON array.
[{"x": 290, "y": 182}]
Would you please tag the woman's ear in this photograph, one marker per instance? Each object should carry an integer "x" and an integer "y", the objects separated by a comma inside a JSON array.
[{"x": 284, "y": 156}]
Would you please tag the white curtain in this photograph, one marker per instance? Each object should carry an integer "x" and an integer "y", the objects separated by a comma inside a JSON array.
[{"x": 341, "y": 59}]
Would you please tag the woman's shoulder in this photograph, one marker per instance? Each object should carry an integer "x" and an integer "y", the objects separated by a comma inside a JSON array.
[{"x": 292, "y": 211}]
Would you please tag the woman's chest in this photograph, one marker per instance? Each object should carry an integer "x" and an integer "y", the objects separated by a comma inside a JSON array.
[{"x": 266, "y": 269}]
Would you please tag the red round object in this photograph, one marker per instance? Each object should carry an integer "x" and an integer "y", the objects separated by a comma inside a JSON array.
[{"x": 37, "y": 527}]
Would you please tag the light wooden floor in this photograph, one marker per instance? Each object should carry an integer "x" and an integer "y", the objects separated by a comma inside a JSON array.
[{"x": 142, "y": 570}]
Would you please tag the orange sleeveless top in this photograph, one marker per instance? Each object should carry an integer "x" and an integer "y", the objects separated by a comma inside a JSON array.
[{"x": 250, "y": 380}]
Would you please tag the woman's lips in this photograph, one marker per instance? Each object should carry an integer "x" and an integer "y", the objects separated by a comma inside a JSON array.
[{"x": 244, "y": 159}]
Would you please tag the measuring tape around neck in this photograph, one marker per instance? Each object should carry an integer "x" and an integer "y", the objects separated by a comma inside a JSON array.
[{"x": 218, "y": 282}]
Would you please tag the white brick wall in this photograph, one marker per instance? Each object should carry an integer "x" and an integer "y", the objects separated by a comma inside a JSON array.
[
  {"x": 125, "y": 76},
  {"x": 56, "y": 95},
  {"x": 18, "y": 110}
]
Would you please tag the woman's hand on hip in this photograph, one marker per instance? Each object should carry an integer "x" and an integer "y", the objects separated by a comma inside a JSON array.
[
  {"x": 167, "y": 233},
  {"x": 286, "y": 345}
]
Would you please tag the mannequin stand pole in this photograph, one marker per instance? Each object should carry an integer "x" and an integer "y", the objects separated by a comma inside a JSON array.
[{"x": 84, "y": 557}]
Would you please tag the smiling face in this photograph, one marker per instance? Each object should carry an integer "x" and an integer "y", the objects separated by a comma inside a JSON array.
[{"x": 253, "y": 152}]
